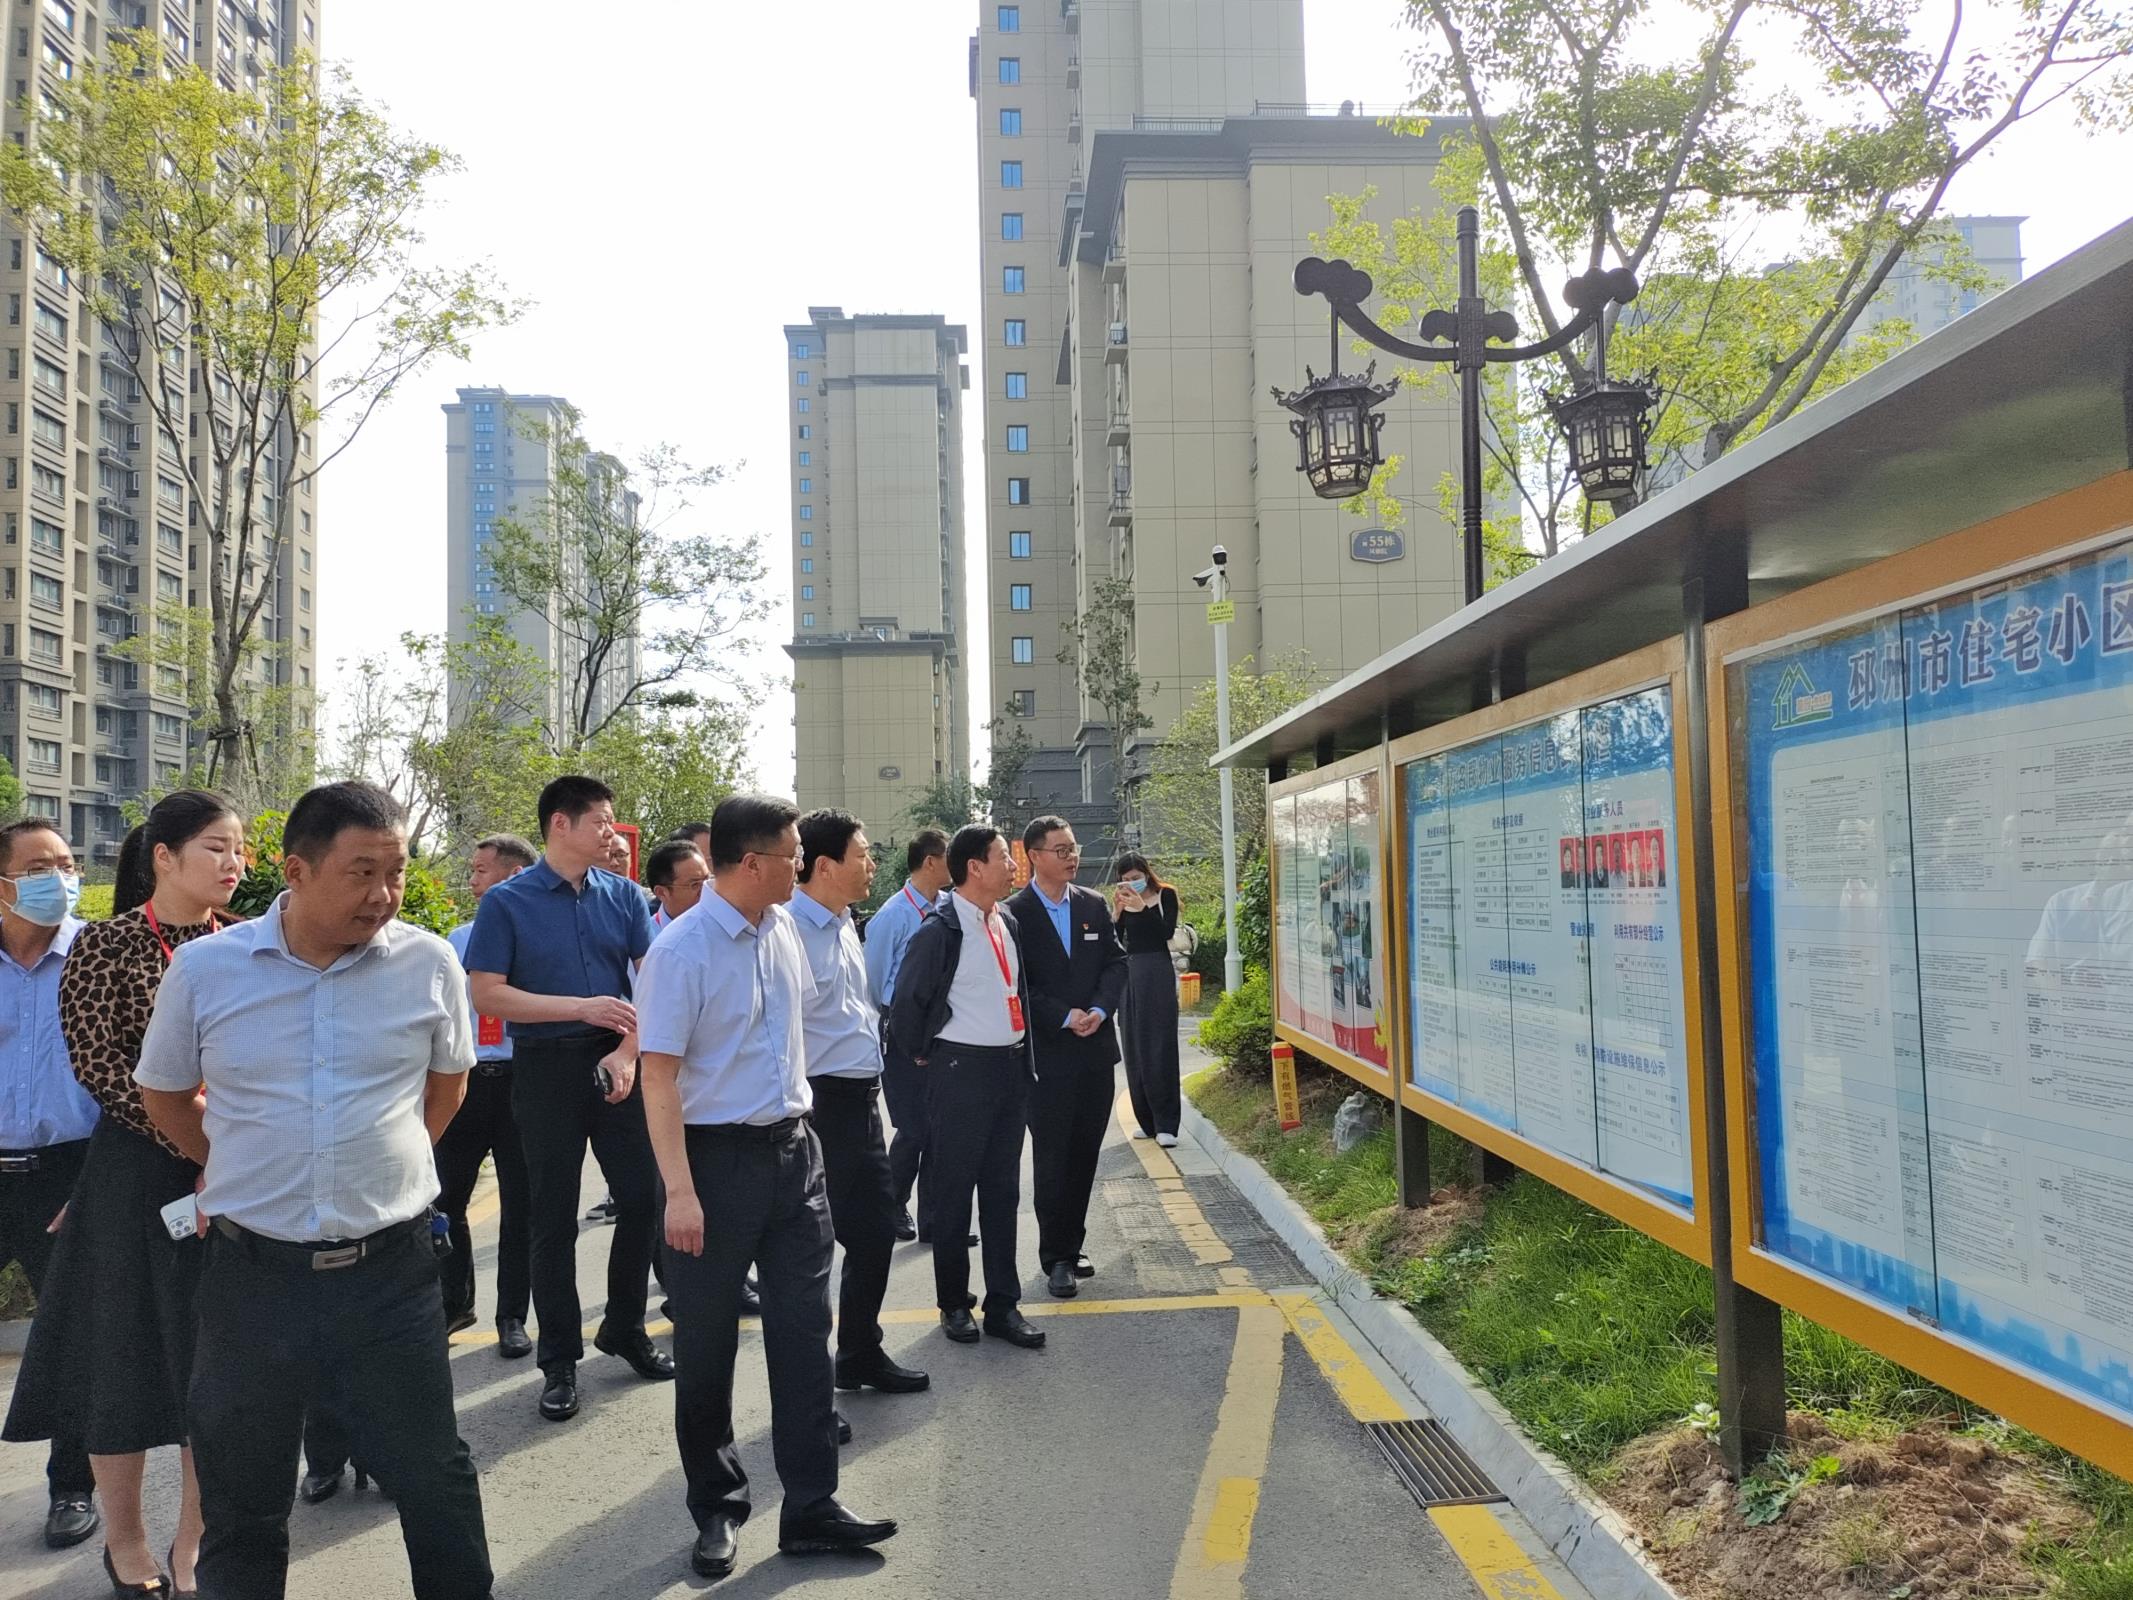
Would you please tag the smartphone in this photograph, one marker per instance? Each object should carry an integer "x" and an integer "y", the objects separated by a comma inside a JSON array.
[
  {"x": 603, "y": 1080},
  {"x": 181, "y": 1218}
]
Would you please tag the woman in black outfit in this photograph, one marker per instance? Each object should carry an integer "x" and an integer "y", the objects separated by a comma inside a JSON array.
[
  {"x": 1146, "y": 911},
  {"x": 111, "y": 1348}
]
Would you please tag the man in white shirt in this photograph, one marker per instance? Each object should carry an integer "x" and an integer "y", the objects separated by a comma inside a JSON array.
[
  {"x": 961, "y": 1007},
  {"x": 676, "y": 873},
  {"x": 331, "y": 1045},
  {"x": 844, "y": 1070},
  {"x": 720, "y": 1004}
]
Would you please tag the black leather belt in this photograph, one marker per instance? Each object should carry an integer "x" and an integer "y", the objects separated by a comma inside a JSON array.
[
  {"x": 322, "y": 1255},
  {"x": 20, "y": 1160},
  {"x": 492, "y": 1069},
  {"x": 984, "y": 1052},
  {"x": 756, "y": 1132}
]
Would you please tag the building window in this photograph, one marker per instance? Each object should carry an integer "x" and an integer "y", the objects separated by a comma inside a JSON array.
[
  {"x": 1012, "y": 280},
  {"x": 807, "y": 539},
  {"x": 806, "y": 432},
  {"x": 1017, "y": 332},
  {"x": 52, "y": 485},
  {"x": 807, "y": 513},
  {"x": 50, "y": 429},
  {"x": 47, "y": 590},
  {"x": 1018, "y": 491},
  {"x": 807, "y": 563},
  {"x": 1018, "y": 597},
  {"x": 1018, "y": 547},
  {"x": 807, "y": 619},
  {"x": 807, "y": 485},
  {"x": 1010, "y": 19},
  {"x": 1018, "y": 439},
  {"x": 807, "y": 591},
  {"x": 807, "y": 458},
  {"x": 1010, "y": 67},
  {"x": 60, "y": 12},
  {"x": 1010, "y": 174},
  {"x": 303, "y": 598},
  {"x": 799, "y": 377},
  {"x": 44, "y": 646},
  {"x": 800, "y": 405},
  {"x": 1025, "y": 650},
  {"x": 52, "y": 379},
  {"x": 1011, "y": 225},
  {"x": 49, "y": 322},
  {"x": 46, "y": 701},
  {"x": 1025, "y": 702},
  {"x": 801, "y": 349},
  {"x": 43, "y": 754},
  {"x": 169, "y": 491},
  {"x": 47, "y": 536},
  {"x": 1011, "y": 122},
  {"x": 168, "y": 726},
  {"x": 1018, "y": 386}
]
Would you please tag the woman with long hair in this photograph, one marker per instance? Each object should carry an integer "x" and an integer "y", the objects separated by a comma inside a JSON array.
[
  {"x": 112, "y": 1344},
  {"x": 1146, "y": 911}
]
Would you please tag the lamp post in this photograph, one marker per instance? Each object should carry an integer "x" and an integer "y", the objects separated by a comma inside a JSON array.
[
  {"x": 1215, "y": 580},
  {"x": 1337, "y": 425}
]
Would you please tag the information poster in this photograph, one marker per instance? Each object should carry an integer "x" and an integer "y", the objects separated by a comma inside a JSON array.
[
  {"x": 1544, "y": 938},
  {"x": 1281, "y": 844},
  {"x": 1329, "y": 926},
  {"x": 1940, "y": 829}
]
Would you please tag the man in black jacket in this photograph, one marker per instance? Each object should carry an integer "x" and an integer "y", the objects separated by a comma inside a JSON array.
[
  {"x": 1077, "y": 975},
  {"x": 961, "y": 1008}
]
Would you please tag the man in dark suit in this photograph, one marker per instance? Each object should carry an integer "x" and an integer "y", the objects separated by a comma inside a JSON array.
[{"x": 1077, "y": 975}]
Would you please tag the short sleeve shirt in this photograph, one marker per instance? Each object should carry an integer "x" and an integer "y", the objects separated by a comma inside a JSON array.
[
  {"x": 544, "y": 937},
  {"x": 843, "y": 1028}
]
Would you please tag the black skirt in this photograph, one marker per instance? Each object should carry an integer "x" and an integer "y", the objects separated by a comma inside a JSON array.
[{"x": 111, "y": 1349}]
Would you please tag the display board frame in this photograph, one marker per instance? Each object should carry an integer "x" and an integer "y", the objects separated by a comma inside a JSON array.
[
  {"x": 1367, "y": 1073},
  {"x": 1659, "y": 665},
  {"x": 2061, "y": 528}
]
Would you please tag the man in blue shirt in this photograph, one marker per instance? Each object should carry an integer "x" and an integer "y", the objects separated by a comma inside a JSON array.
[
  {"x": 903, "y": 1084},
  {"x": 45, "y": 1116},
  {"x": 552, "y": 953}
]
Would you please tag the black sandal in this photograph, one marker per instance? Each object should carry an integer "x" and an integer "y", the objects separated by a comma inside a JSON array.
[{"x": 158, "y": 1585}]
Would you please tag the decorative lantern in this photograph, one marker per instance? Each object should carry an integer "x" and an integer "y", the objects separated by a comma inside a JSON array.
[
  {"x": 1606, "y": 424},
  {"x": 1336, "y": 427}
]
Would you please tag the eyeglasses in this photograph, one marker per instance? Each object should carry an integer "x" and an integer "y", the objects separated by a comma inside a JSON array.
[
  {"x": 792, "y": 860},
  {"x": 1065, "y": 852}
]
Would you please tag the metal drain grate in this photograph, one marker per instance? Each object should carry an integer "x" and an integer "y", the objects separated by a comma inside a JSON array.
[{"x": 1429, "y": 1461}]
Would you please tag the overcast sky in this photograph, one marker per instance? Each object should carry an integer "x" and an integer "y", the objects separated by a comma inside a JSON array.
[{"x": 669, "y": 194}]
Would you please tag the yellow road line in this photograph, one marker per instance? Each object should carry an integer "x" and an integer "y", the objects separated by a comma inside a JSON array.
[
  {"x": 1359, "y": 1388},
  {"x": 1501, "y": 1568},
  {"x": 1190, "y": 1223},
  {"x": 1218, "y": 1542}
]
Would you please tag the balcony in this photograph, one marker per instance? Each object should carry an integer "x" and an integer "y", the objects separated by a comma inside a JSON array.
[
  {"x": 114, "y": 455},
  {"x": 1115, "y": 262},
  {"x": 1120, "y": 428},
  {"x": 1121, "y": 515},
  {"x": 1070, "y": 14},
  {"x": 109, "y": 405},
  {"x": 1115, "y": 344},
  {"x": 1073, "y": 69}
]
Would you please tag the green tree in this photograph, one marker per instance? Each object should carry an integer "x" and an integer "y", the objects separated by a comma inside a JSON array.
[
  {"x": 948, "y": 802},
  {"x": 1000, "y": 796},
  {"x": 10, "y": 792},
  {"x": 670, "y": 767},
  {"x": 1181, "y": 819},
  {"x": 1763, "y": 168},
  {"x": 278, "y": 714},
  {"x": 1099, "y": 647},
  {"x": 641, "y": 609},
  {"x": 210, "y": 232}
]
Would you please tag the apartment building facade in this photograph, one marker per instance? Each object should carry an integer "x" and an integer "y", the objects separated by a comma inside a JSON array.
[
  {"x": 1149, "y": 175},
  {"x": 881, "y": 702},
  {"x": 516, "y": 456},
  {"x": 103, "y": 540}
]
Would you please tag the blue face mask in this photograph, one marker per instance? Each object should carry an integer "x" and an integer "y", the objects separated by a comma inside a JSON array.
[
  {"x": 48, "y": 898},
  {"x": 1137, "y": 885}
]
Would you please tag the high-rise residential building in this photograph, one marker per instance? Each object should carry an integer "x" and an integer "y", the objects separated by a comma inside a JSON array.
[
  {"x": 505, "y": 458},
  {"x": 1920, "y": 294},
  {"x": 880, "y": 701},
  {"x": 1149, "y": 176},
  {"x": 101, "y": 530}
]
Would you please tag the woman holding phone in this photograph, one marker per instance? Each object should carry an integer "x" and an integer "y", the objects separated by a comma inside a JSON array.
[
  {"x": 1146, "y": 911},
  {"x": 112, "y": 1342}
]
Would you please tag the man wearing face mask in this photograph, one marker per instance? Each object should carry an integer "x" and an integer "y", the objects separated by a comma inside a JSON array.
[{"x": 45, "y": 1116}]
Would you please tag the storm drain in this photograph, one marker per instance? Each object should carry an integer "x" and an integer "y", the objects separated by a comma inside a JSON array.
[{"x": 1429, "y": 1461}]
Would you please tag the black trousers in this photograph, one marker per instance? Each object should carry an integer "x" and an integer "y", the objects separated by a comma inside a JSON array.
[
  {"x": 765, "y": 1204},
  {"x": 483, "y": 1126},
  {"x": 903, "y": 1086},
  {"x": 274, "y": 1334},
  {"x": 977, "y": 1103},
  {"x": 863, "y": 1208},
  {"x": 28, "y": 1203},
  {"x": 559, "y": 1112},
  {"x": 1069, "y": 1108}
]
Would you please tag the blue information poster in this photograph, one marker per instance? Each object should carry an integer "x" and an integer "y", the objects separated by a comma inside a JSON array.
[
  {"x": 1939, "y": 814},
  {"x": 1328, "y": 932},
  {"x": 1544, "y": 938}
]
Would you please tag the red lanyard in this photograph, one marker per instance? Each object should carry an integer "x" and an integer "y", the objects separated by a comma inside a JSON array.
[
  {"x": 999, "y": 954},
  {"x": 148, "y": 910},
  {"x": 915, "y": 905}
]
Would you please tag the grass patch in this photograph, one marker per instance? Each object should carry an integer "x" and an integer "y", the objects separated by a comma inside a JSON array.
[{"x": 1595, "y": 1337}]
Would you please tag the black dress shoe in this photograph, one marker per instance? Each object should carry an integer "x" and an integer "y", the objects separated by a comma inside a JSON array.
[
  {"x": 559, "y": 1397},
  {"x": 960, "y": 1326},
  {"x": 844, "y": 1426},
  {"x": 648, "y": 1360},
  {"x": 1060, "y": 1280},
  {"x": 906, "y": 1229},
  {"x": 319, "y": 1486},
  {"x": 1014, "y": 1327},
  {"x": 71, "y": 1518},
  {"x": 751, "y": 1299},
  {"x": 879, "y": 1372},
  {"x": 829, "y": 1527},
  {"x": 455, "y": 1321},
  {"x": 1083, "y": 1267},
  {"x": 718, "y": 1546},
  {"x": 511, "y": 1340}
]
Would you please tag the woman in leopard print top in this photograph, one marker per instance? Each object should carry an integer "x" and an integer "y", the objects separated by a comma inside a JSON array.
[{"x": 111, "y": 1349}]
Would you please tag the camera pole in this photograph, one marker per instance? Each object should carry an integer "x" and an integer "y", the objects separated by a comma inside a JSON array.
[{"x": 1232, "y": 957}]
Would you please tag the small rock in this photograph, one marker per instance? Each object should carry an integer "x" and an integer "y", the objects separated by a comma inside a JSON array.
[{"x": 1360, "y": 1116}]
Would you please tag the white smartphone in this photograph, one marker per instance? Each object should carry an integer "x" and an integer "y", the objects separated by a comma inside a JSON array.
[{"x": 181, "y": 1218}]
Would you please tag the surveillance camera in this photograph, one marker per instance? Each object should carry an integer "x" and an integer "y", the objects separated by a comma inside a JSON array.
[
  {"x": 1205, "y": 576},
  {"x": 1221, "y": 555}
]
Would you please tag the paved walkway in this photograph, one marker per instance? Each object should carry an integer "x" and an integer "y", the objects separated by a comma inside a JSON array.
[{"x": 1191, "y": 1430}]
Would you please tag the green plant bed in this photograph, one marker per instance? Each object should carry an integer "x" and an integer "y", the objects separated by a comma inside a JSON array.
[{"x": 1598, "y": 1340}]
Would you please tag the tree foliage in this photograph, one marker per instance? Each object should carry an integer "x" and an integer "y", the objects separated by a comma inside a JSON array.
[
  {"x": 641, "y": 610},
  {"x": 208, "y": 231},
  {"x": 1762, "y": 165},
  {"x": 1099, "y": 647}
]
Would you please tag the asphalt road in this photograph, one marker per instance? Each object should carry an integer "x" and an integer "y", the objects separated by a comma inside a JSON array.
[{"x": 1176, "y": 1437}]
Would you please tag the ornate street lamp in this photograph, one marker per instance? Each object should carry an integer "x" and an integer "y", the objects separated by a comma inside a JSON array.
[{"x": 1337, "y": 431}]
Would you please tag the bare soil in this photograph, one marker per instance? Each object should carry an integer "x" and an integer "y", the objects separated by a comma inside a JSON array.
[{"x": 1923, "y": 1513}]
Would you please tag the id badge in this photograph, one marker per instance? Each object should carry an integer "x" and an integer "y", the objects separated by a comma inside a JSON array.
[
  {"x": 1014, "y": 1012},
  {"x": 488, "y": 1030}
]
